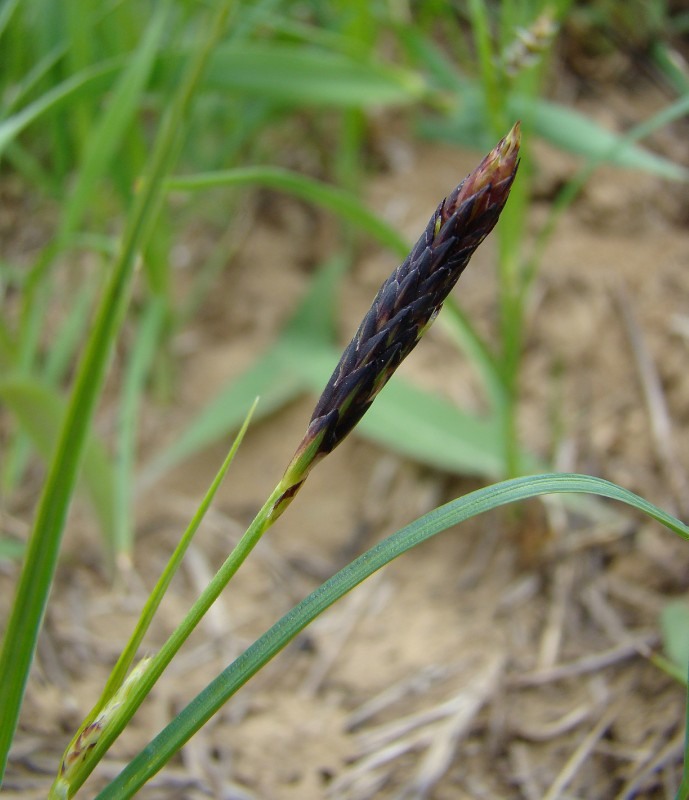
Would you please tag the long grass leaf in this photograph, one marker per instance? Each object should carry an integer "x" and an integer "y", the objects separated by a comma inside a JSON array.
[
  {"x": 128, "y": 654},
  {"x": 39, "y": 567},
  {"x": 8, "y": 8},
  {"x": 576, "y": 133},
  {"x": 168, "y": 742}
]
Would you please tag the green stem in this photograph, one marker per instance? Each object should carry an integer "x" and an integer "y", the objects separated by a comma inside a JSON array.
[{"x": 262, "y": 521}]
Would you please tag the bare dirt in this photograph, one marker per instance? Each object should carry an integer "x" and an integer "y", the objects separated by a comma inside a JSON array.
[{"x": 507, "y": 658}]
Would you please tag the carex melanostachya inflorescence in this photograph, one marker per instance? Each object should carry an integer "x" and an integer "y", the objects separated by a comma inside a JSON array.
[{"x": 405, "y": 306}]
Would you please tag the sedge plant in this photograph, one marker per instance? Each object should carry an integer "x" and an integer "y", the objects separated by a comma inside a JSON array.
[
  {"x": 403, "y": 309},
  {"x": 406, "y": 304}
]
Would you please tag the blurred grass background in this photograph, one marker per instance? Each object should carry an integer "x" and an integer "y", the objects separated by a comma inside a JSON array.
[{"x": 123, "y": 124}]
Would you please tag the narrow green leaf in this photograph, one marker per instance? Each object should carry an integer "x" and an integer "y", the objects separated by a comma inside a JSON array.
[
  {"x": 434, "y": 431},
  {"x": 168, "y": 742},
  {"x": 310, "y": 76},
  {"x": 576, "y": 133},
  {"x": 6, "y": 11},
  {"x": 105, "y": 136},
  {"x": 154, "y": 600}
]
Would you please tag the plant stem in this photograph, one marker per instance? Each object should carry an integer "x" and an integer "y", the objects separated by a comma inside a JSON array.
[{"x": 261, "y": 523}]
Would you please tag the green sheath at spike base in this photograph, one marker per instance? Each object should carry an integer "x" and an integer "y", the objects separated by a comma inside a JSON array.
[{"x": 405, "y": 306}]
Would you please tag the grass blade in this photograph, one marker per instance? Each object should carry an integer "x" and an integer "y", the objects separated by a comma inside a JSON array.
[
  {"x": 106, "y": 135},
  {"x": 563, "y": 127},
  {"x": 571, "y": 131},
  {"x": 6, "y": 12},
  {"x": 168, "y": 742}
]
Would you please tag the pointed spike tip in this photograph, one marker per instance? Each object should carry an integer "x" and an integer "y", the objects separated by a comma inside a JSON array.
[{"x": 490, "y": 181}]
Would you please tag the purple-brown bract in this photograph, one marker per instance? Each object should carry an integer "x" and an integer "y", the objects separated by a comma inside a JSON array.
[{"x": 406, "y": 304}]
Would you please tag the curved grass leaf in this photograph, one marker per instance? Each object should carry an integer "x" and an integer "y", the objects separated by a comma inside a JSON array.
[
  {"x": 296, "y": 74},
  {"x": 119, "y": 672},
  {"x": 6, "y": 14},
  {"x": 168, "y": 742}
]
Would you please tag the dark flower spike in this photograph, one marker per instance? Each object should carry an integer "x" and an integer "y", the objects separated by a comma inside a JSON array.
[{"x": 405, "y": 306}]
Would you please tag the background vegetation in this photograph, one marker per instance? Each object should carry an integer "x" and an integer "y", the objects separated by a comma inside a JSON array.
[{"x": 138, "y": 137}]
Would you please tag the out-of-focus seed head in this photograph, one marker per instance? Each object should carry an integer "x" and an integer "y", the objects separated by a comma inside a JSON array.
[{"x": 405, "y": 306}]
